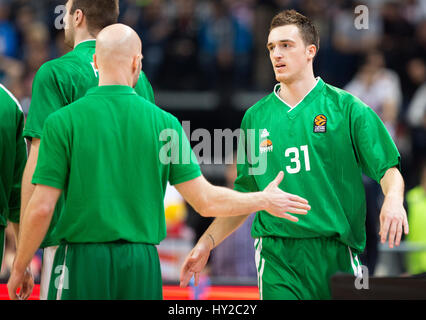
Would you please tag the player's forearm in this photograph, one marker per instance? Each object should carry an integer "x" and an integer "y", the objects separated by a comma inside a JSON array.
[
  {"x": 220, "y": 229},
  {"x": 27, "y": 188},
  {"x": 33, "y": 227},
  {"x": 225, "y": 202},
  {"x": 392, "y": 184}
]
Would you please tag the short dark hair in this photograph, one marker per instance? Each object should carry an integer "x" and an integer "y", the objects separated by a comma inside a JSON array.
[
  {"x": 306, "y": 28},
  {"x": 99, "y": 13}
]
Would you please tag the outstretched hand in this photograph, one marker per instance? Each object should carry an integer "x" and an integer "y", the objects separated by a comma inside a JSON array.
[
  {"x": 280, "y": 203},
  {"x": 194, "y": 264}
]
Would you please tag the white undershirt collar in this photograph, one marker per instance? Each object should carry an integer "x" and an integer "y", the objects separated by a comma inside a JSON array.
[{"x": 277, "y": 89}]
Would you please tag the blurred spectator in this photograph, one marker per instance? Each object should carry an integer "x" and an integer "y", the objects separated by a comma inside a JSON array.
[
  {"x": 234, "y": 257},
  {"x": 225, "y": 45},
  {"x": 415, "y": 62},
  {"x": 153, "y": 25},
  {"x": 181, "y": 50},
  {"x": 8, "y": 36},
  {"x": 416, "y": 200},
  {"x": 379, "y": 88},
  {"x": 416, "y": 117},
  {"x": 350, "y": 41}
]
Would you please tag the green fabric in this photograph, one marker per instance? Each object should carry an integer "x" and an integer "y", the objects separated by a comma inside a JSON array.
[
  {"x": 13, "y": 156},
  {"x": 416, "y": 201},
  {"x": 322, "y": 164},
  {"x": 300, "y": 269},
  {"x": 108, "y": 271},
  {"x": 58, "y": 83},
  {"x": 103, "y": 151}
]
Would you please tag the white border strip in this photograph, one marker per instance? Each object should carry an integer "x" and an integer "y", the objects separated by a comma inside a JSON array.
[{"x": 61, "y": 279}]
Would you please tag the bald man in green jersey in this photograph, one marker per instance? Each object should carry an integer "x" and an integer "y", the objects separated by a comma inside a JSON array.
[{"x": 62, "y": 81}]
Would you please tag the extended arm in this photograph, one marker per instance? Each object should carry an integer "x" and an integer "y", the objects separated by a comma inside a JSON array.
[
  {"x": 33, "y": 228},
  {"x": 393, "y": 217},
  {"x": 27, "y": 188},
  {"x": 215, "y": 201}
]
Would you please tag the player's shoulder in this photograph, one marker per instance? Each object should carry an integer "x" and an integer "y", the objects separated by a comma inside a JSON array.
[
  {"x": 342, "y": 99},
  {"x": 8, "y": 101},
  {"x": 261, "y": 106},
  {"x": 146, "y": 105},
  {"x": 67, "y": 64}
]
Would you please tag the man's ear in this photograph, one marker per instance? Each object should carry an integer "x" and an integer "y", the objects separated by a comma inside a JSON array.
[
  {"x": 136, "y": 61},
  {"x": 78, "y": 17},
  {"x": 312, "y": 51}
]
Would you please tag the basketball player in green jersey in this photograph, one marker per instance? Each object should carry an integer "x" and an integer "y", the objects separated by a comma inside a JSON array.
[
  {"x": 62, "y": 81},
  {"x": 114, "y": 199},
  {"x": 13, "y": 155},
  {"x": 323, "y": 138}
]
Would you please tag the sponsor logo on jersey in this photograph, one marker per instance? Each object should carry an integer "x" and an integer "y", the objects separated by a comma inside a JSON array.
[
  {"x": 265, "y": 133},
  {"x": 266, "y": 146},
  {"x": 320, "y": 123}
]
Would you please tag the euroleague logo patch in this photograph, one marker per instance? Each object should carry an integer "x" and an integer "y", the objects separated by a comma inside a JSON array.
[
  {"x": 266, "y": 146},
  {"x": 320, "y": 123}
]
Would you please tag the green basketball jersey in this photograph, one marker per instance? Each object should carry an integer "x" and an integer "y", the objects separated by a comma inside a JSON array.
[
  {"x": 60, "y": 82},
  {"x": 13, "y": 156},
  {"x": 323, "y": 145},
  {"x": 104, "y": 151}
]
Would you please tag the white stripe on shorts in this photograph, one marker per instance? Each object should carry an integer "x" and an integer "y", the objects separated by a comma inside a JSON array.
[
  {"x": 61, "y": 279},
  {"x": 260, "y": 265},
  {"x": 46, "y": 270}
]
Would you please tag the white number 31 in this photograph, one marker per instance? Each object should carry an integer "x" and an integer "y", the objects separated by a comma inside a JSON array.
[{"x": 294, "y": 153}]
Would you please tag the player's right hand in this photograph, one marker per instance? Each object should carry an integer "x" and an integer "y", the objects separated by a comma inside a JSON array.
[
  {"x": 280, "y": 203},
  {"x": 194, "y": 263}
]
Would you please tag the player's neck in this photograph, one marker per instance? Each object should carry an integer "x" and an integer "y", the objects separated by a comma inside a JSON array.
[
  {"x": 114, "y": 80},
  {"x": 82, "y": 37},
  {"x": 293, "y": 92}
]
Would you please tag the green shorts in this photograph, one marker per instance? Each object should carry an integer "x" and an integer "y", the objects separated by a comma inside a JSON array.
[
  {"x": 106, "y": 271},
  {"x": 300, "y": 269}
]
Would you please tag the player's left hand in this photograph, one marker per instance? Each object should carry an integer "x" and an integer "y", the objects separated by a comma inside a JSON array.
[
  {"x": 22, "y": 280},
  {"x": 393, "y": 218}
]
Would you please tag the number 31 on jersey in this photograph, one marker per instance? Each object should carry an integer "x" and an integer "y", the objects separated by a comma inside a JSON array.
[{"x": 293, "y": 154}]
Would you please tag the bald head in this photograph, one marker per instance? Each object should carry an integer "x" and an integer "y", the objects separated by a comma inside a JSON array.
[{"x": 118, "y": 53}]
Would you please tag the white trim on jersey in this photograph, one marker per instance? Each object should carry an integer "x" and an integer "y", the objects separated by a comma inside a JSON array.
[
  {"x": 13, "y": 97},
  {"x": 19, "y": 106},
  {"x": 276, "y": 92},
  {"x": 354, "y": 267}
]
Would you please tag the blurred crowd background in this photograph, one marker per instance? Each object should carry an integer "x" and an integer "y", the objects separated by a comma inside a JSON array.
[{"x": 207, "y": 62}]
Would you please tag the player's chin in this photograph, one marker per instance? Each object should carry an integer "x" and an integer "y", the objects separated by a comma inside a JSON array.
[{"x": 281, "y": 77}]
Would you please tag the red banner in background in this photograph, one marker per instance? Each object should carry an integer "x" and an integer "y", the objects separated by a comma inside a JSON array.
[{"x": 171, "y": 292}]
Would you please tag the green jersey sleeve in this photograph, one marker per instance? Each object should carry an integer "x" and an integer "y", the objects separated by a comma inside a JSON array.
[
  {"x": 144, "y": 88},
  {"x": 374, "y": 148},
  {"x": 245, "y": 181},
  {"x": 183, "y": 162},
  {"x": 47, "y": 97},
  {"x": 20, "y": 161},
  {"x": 54, "y": 155}
]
